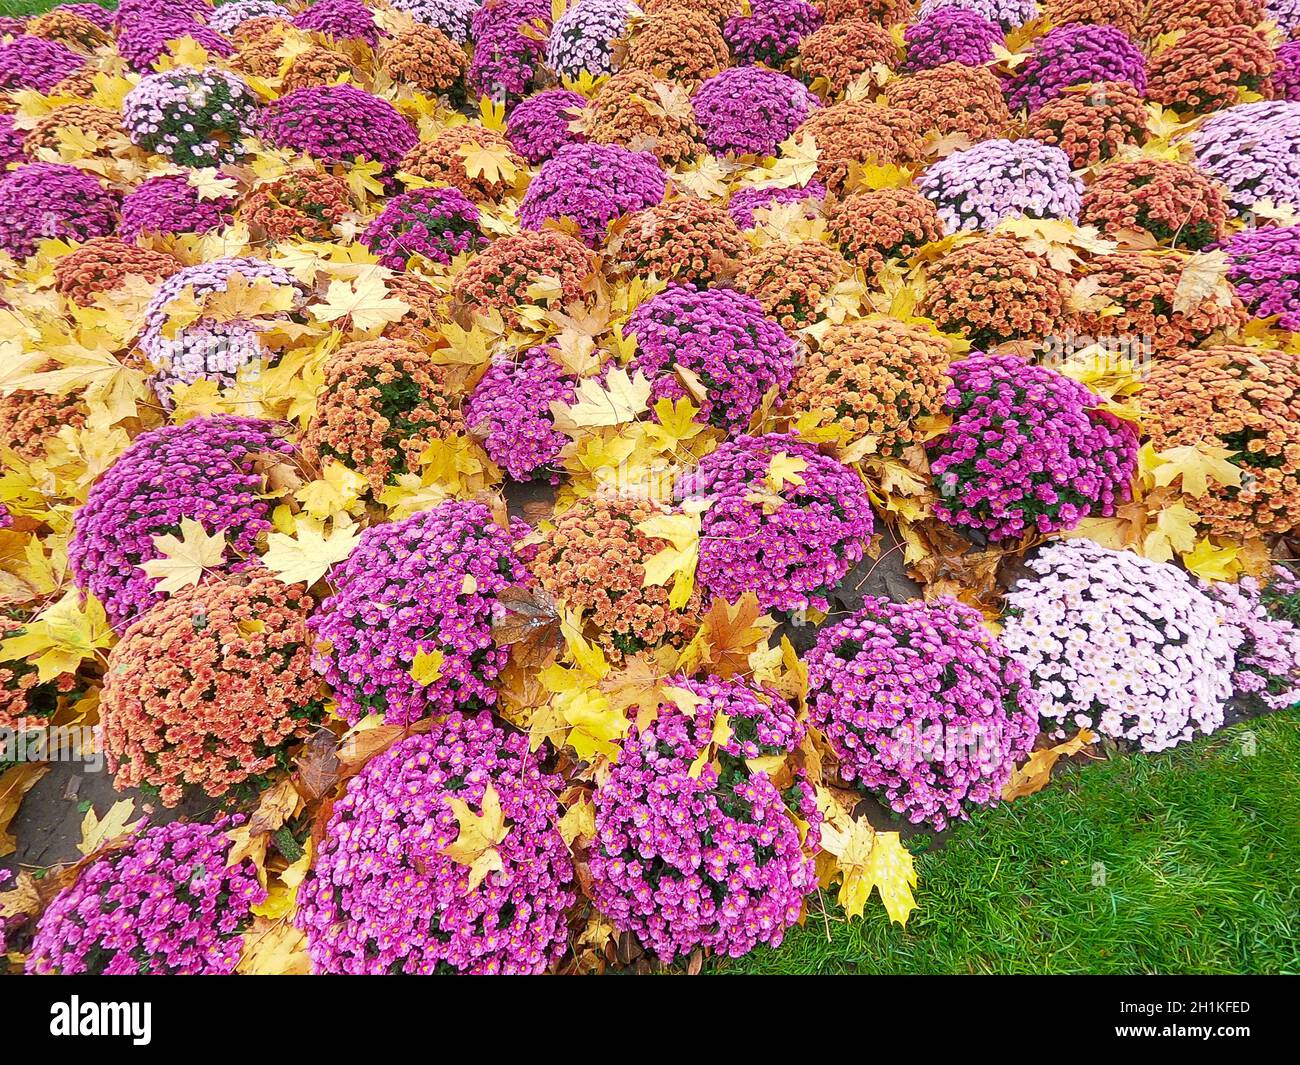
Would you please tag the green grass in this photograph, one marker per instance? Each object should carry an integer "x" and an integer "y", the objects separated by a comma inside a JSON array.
[
  {"x": 24, "y": 8},
  {"x": 1201, "y": 854}
]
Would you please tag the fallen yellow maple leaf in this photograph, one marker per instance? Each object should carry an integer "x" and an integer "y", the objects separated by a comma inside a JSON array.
[
  {"x": 61, "y": 636},
  {"x": 185, "y": 558},
  {"x": 307, "y": 555},
  {"x": 1035, "y": 773},
  {"x": 427, "y": 666},
  {"x": 365, "y": 301},
  {"x": 475, "y": 845},
  {"x": 98, "y": 832},
  {"x": 620, "y": 399}
]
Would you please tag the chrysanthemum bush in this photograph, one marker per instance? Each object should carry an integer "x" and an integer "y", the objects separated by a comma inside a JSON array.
[
  {"x": 685, "y": 240},
  {"x": 166, "y": 902},
  {"x": 953, "y": 99},
  {"x": 771, "y": 31},
  {"x": 713, "y": 858},
  {"x": 498, "y": 278},
  {"x": 30, "y": 420},
  {"x": 951, "y": 35},
  {"x": 440, "y": 160},
  {"x": 338, "y": 124},
  {"x": 208, "y": 688},
  {"x": 1122, "y": 645},
  {"x": 1178, "y": 205},
  {"x": 510, "y": 410},
  {"x": 724, "y": 339},
  {"x": 451, "y": 17},
  {"x": 875, "y": 226},
  {"x": 1209, "y": 67},
  {"x": 24, "y": 698},
  {"x": 171, "y": 204},
  {"x": 1091, "y": 123},
  {"x": 437, "y": 224},
  {"x": 684, "y": 44},
  {"x": 46, "y": 201},
  {"x": 426, "y": 58},
  {"x": 839, "y": 53},
  {"x": 384, "y": 402},
  {"x": 102, "y": 264},
  {"x": 750, "y": 109},
  {"x": 1254, "y": 151},
  {"x": 790, "y": 539},
  {"x": 341, "y": 20},
  {"x": 388, "y": 895},
  {"x": 629, "y": 111},
  {"x": 302, "y": 203},
  {"x": 205, "y": 469},
  {"x": 541, "y": 125},
  {"x": 95, "y": 123},
  {"x": 790, "y": 281},
  {"x": 1267, "y": 669},
  {"x": 318, "y": 67},
  {"x": 1027, "y": 451},
  {"x": 428, "y": 585},
  {"x": 979, "y": 187},
  {"x": 28, "y": 62},
  {"x": 582, "y": 38},
  {"x": 193, "y": 117},
  {"x": 143, "y": 41},
  {"x": 922, "y": 705},
  {"x": 591, "y": 185},
  {"x": 1075, "y": 54},
  {"x": 747, "y": 201},
  {"x": 854, "y": 131},
  {"x": 1264, "y": 267}
]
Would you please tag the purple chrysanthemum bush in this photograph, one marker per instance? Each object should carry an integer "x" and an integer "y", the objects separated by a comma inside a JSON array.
[
  {"x": 338, "y": 124},
  {"x": 166, "y": 902},
  {"x": 770, "y": 31},
  {"x": 404, "y": 591},
  {"x": 592, "y": 185},
  {"x": 436, "y": 223},
  {"x": 1075, "y": 54},
  {"x": 685, "y": 859},
  {"x": 750, "y": 109},
  {"x": 922, "y": 705},
  {"x": 745, "y": 203},
  {"x": 171, "y": 204},
  {"x": 1123, "y": 645},
  {"x": 48, "y": 201},
  {"x": 1027, "y": 451},
  {"x": 540, "y": 125},
  {"x": 1264, "y": 267},
  {"x": 1267, "y": 671},
  {"x": 387, "y": 893}
]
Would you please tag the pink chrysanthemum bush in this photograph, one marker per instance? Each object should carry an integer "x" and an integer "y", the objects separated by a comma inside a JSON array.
[
  {"x": 426, "y": 584},
  {"x": 48, "y": 201},
  {"x": 1027, "y": 452},
  {"x": 168, "y": 205},
  {"x": 783, "y": 520},
  {"x": 389, "y": 893},
  {"x": 711, "y": 859},
  {"x": 922, "y": 705},
  {"x": 591, "y": 185},
  {"x": 338, "y": 124},
  {"x": 1267, "y": 672},
  {"x": 167, "y": 903},
  {"x": 1120, "y": 644},
  {"x": 436, "y": 223}
]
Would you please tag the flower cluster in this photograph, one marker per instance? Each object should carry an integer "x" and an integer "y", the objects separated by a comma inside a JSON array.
[
  {"x": 234, "y": 13},
  {"x": 582, "y": 39},
  {"x": 70, "y": 27},
  {"x": 28, "y": 62},
  {"x": 540, "y": 126},
  {"x": 591, "y": 185},
  {"x": 992, "y": 290},
  {"x": 841, "y": 52},
  {"x": 683, "y": 45},
  {"x": 1267, "y": 668},
  {"x": 510, "y": 410},
  {"x": 428, "y": 585},
  {"x": 509, "y": 43},
  {"x": 436, "y": 223},
  {"x": 1120, "y": 644},
  {"x": 170, "y": 204},
  {"x": 709, "y": 859},
  {"x": 142, "y": 41},
  {"x": 877, "y": 378},
  {"x": 951, "y": 35},
  {"x": 1174, "y": 202},
  {"x": 636, "y": 110},
  {"x": 193, "y": 117},
  {"x": 383, "y": 404},
  {"x": 342, "y": 20},
  {"x": 684, "y": 240},
  {"x": 47, "y": 201},
  {"x": 451, "y": 17},
  {"x": 97, "y": 124},
  {"x": 205, "y": 469},
  {"x": 922, "y": 706},
  {"x": 207, "y": 688},
  {"x": 11, "y": 143},
  {"x": 302, "y": 203},
  {"x": 978, "y": 187},
  {"x": 167, "y": 903},
  {"x": 746, "y": 201},
  {"x": 954, "y": 99},
  {"x": 499, "y": 276},
  {"x": 1027, "y": 451},
  {"x": 854, "y": 131},
  {"x": 103, "y": 264},
  {"x": 593, "y": 562},
  {"x": 783, "y": 521},
  {"x": 317, "y": 67},
  {"x": 750, "y": 109},
  {"x": 1077, "y": 54},
  {"x": 1092, "y": 123},
  {"x": 338, "y": 124},
  {"x": 771, "y": 31},
  {"x": 385, "y": 896},
  {"x": 724, "y": 339},
  {"x": 1253, "y": 150},
  {"x": 1245, "y": 400},
  {"x": 791, "y": 280},
  {"x": 442, "y": 161},
  {"x": 1286, "y": 71},
  {"x": 22, "y": 695},
  {"x": 429, "y": 60},
  {"x": 1264, "y": 265},
  {"x": 880, "y": 225},
  {"x": 1209, "y": 67}
]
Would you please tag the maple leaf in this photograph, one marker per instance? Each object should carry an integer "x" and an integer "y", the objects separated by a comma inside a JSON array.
[
  {"x": 338, "y": 489},
  {"x": 492, "y": 162},
  {"x": 365, "y": 301},
  {"x": 594, "y": 725},
  {"x": 579, "y": 820},
  {"x": 1204, "y": 276},
  {"x": 784, "y": 469},
  {"x": 1213, "y": 563},
  {"x": 61, "y": 636},
  {"x": 728, "y": 635},
  {"x": 307, "y": 556},
  {"x": 1196, "y": 465},
  {"x": 15, "y": 782},
  {"x": 867, "y": 860},
  {"x": 475, "y": 844},
  {"x": 274, "y": 948},
  {"x": 620, "y": 399},
  {"x": 1036, "y": 772},
  {"x": 1056, "y": 240},
  {"x": 185, "y": 558},
  {"x": 677, "y": 561},
  {"x": 97, "y": 833},
  {"x": 1175, "y": 530},
  {"x": 426, "y": 667}
]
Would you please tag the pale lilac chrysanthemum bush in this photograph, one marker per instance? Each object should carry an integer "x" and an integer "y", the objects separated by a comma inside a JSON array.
[
  {"x": 193, "y": 117},
  {"x": 979, "y": 187},
  {"x": 165, "y": 903},
  {"x": 1267, "y": 671},
  {"x": 403, "y": 591},
  {"x": 1123, "y": 645},
  {"x": 1253, "y": 151},
  {"x": 712, "y": 858},
  {"x": 922, "y": 705},
  {"x": 384, "y": 897},
  {"x": 582, "y": 38}
]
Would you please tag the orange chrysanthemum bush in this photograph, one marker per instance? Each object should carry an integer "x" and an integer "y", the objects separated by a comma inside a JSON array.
[
  {"x": 1176, "y": 203},
  {"x": 428, "y": 308},
  {"x": 1208, "y": 68},
  {"x": 791, "y": 280},
  {"x": 854, "y": 131},
  {"x": 442, "y": 161},
  {"x": 500, "y": 275},
  {"x": 382, "y": 404},
  {"x": 30, "y": 420},
  {"x": 257, "y": 47},
  {"x": 953, "y": 98},
  {"x": 1124, "y": 15},
  {"x": 209, "y": 687},
  {"x": 885, "y": 12},
  {"x": 687, "y": 240},
  {"x": 102, "y": 264},
  {"x": 1168, "y": 16},
  {"x": 428, "y": 59},
  {"x": 627, "y": 111},
  {"x": 841, "y": 52},
  {"x": 1245, "y": 399},
  {"x": 22, "y": 695},
  {"x": 316, "y": 66},
  {"x": 98, "y": 123},
  {"x": 302, "y": 204},
  {"x": 594, "y": 562},
  {"x": 68, "y": 27},
  {"x": 1090, "y": 123},
  {"x": 992, "y": 290},
  {"x": 1131, "y": 296},
  {"x": 877, "y": 225},
  {"x": 683, "y": 45},
  {"x": 715, "y": 9},
  {"x": 876, "y": 377},
  {"x": 79, "y": 84}
]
